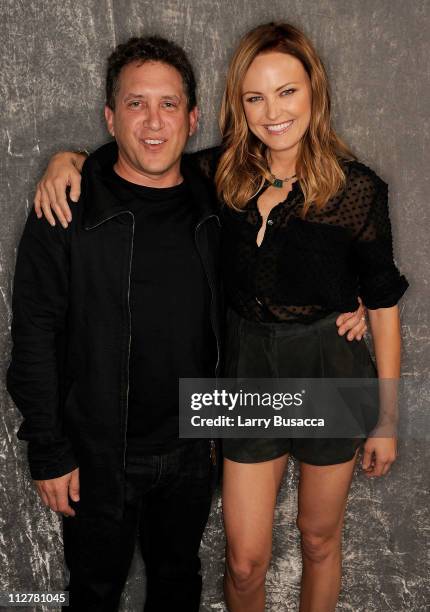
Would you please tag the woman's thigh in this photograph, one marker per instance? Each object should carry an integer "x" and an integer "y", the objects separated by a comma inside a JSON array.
[
  {"x": 323, "y": 493},
  {"x": 249, "y": 499}
]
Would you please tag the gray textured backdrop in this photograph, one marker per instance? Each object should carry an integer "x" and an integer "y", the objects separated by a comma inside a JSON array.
[{"x": 377, "y": 55}]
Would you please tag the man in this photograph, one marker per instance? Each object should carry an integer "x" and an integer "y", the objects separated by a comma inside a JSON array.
[{"x": 108, "y": 314}]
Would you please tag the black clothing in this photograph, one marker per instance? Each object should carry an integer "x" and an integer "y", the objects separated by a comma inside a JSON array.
[
  {"x": 71, "y": 328},
  {"x": 286, "y": 294},
  {"x": 256, "y": 349},
  {"x": 308, "y": 268},
  {"x": 171, "y": 335},
  {"x": 167, "y": 503}
]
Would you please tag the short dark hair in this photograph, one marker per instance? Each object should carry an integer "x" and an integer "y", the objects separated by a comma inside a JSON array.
[{"x": 149, "y": 49}]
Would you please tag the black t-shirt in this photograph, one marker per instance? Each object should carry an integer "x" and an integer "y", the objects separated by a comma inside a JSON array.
[{"x": 171, "y": 334}]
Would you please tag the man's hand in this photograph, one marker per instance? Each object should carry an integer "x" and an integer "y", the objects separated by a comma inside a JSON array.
[
  {"x": 63, "y": 171},
  {"x": 55, "y": 492},
  {"x": 379, "y": 454},
  {"x": 353, "y": 322}
]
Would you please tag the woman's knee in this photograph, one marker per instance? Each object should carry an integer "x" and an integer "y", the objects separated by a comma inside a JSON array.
[
  {"x": 247, "y": 571},
  {"x": 318, "y": 544}
]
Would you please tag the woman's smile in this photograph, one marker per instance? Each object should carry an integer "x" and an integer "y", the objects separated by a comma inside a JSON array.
[{"x": 279, "y": 128}]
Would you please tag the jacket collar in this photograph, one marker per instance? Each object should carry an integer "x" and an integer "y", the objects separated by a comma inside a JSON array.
[{"x": 100, "y": 204}]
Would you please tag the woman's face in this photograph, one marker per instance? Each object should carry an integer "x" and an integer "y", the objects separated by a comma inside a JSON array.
[{"x": 277, "y": 100}]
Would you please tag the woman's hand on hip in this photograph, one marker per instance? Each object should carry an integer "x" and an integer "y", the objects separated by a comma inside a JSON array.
[{"x": 353, "y": 323}]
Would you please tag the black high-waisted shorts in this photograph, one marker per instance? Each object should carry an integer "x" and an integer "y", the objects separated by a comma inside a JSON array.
[{"x": 293, "y": 350}]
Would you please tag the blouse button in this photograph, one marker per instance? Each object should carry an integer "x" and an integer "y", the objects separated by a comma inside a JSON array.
[{"x": 270, "y": 222}]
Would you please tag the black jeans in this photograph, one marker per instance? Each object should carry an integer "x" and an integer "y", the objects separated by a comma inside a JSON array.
[{"x": 167, "y": 506}]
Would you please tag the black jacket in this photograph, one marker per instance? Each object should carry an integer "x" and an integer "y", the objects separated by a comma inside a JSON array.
[{"x": 71, "y": 331}]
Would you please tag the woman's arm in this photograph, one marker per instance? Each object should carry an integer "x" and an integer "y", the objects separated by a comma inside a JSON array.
[
  {"x": 63, "y": 171},
  {"x": 381, "y": 286},
  {"x": 385, "y": 328},
  {"x": 380, "y": 449}
]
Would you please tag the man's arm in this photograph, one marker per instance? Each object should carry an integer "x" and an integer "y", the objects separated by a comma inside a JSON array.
[
  {"x": 39, "y": 306},
  {"x": 64, "y": 170}
]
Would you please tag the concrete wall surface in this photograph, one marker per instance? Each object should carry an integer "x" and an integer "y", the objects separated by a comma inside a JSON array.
[{"x": 52, "y": 93}]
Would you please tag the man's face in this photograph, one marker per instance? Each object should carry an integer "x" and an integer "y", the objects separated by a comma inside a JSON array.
[{"x": 151, "y": 123}]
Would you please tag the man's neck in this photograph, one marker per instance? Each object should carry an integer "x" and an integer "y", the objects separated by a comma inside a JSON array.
[{"x": 170, "y": 178}]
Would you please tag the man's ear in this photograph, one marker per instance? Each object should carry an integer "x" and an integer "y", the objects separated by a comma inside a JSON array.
[
  {"x": 109, "y": 115},
  {"x": 194, "y": 115}
]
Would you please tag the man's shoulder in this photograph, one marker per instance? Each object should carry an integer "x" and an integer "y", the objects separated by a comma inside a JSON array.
[{"x": 105, "y": 155}]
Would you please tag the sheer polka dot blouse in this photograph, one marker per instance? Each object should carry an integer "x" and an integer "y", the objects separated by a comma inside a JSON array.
[{"x": 307, "y": 268}]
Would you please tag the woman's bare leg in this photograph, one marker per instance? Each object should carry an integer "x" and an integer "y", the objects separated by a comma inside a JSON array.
[
  {"x": 249, "y": 499},
  {"x": 323, "y": 492}
]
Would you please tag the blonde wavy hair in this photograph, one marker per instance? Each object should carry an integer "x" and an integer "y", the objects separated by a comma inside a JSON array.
[{"x": 243, "y": 167}]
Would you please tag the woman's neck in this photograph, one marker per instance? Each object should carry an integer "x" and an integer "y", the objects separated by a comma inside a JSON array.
[{"x": 282, "y": 163}]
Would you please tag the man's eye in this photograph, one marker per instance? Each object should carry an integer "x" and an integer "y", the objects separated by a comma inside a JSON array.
[
  {"x": 134, "y": 104},
  {"x": 169, "y": 105},
  {"x": 253, "y": 99}
]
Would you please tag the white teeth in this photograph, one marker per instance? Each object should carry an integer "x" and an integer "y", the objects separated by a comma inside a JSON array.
[
  {"x": 149, "y": 141},
  {"x": 279, "y": 127}
]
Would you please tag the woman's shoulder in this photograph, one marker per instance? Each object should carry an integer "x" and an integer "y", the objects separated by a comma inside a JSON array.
[
  {"x": 361, "y": 178},
  {"x": 207, "y": 160},
  {"x": 363, "y": 194}
]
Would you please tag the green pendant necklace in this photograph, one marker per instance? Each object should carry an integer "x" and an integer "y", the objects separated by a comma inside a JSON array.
[{"x": 279, "y": 183}]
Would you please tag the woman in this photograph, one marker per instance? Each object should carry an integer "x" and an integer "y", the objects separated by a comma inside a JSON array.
[{"x": 306, "y": 228}]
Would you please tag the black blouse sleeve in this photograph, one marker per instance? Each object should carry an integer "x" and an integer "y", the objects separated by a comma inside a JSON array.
[
  {"x": 381, "y": 284},
  {"x": 207, "y": 160}
]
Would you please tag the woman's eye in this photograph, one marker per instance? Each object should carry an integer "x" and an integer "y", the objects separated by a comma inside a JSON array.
[
  {"x": 288, "y": 92},
  {"x": 253, "y": 99}
]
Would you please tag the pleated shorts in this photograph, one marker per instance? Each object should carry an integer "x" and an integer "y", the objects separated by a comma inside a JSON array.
[{"x": 293, "y": 350}]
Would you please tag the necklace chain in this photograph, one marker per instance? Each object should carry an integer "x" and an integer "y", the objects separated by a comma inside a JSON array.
[{"x": 279, "y": 183}]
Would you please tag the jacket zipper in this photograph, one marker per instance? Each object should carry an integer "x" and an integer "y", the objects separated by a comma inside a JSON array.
[
  {"x": 210, "y": 287},
  {"x": 212, "y": 445},
  {"x": 129, "y": 339},
  {"x": 129, "y": 319},
  {"x": 212, "y": 452}
]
